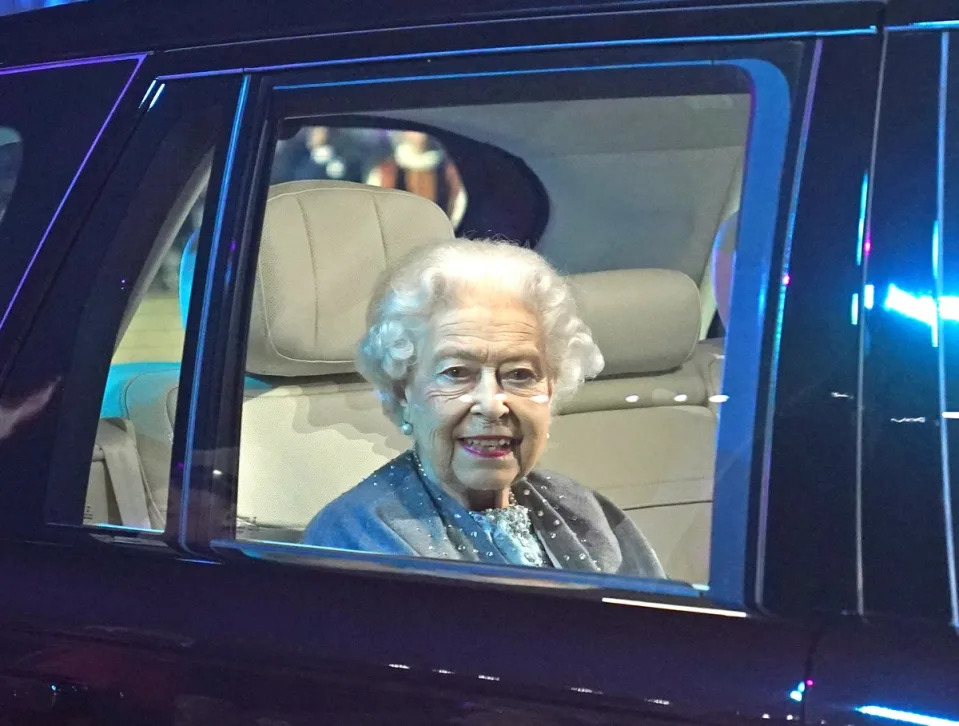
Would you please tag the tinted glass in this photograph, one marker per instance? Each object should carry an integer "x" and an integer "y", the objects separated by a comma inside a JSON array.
[
  {"x": 131, "y": 457},
  {"x": 58, "y": 113},
  {"x": 115, "y": 317}
]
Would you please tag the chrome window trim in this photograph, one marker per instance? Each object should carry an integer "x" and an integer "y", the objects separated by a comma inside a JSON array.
[
  {"x": 937, "y": 262},
  {"x": 797, "y": 179}
]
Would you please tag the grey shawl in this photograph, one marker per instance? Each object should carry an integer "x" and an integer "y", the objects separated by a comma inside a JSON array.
[{"x": 397, "y": 511}]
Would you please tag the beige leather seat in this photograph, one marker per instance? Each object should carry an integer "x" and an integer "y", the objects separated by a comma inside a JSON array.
[
  {"x": 643, "y": 433},
  {"x": 311, "y": 427},
  {"x": 314, "y": 428}
]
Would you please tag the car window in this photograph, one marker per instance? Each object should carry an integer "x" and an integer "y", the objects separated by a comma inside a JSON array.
[
  {"x": 411, "y": 392},
  {"x": 147, "y": 359},
  {"x": 145, "y": 366},
  {"x": 50, "y": 126},
  {"x": 124, "y": 331},
  {"x": 155, "y": 329}
]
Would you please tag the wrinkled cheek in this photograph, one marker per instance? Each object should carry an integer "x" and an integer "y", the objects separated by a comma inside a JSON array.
[
  {"x": 534, "y": 440},
  {"x": 529, "y": 454},
  {"x": 441, "y": 413}
]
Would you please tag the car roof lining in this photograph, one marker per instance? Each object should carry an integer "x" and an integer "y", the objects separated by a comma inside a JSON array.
[{"x": 643, "y": 180}]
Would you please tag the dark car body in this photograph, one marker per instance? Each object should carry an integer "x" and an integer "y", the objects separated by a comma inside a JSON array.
[{"x": 835, "y": 595}]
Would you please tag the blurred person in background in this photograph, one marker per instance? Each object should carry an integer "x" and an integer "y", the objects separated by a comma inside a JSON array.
[
  {"x": 421, "y": 166},
  {"x": 323, "y": 152}
]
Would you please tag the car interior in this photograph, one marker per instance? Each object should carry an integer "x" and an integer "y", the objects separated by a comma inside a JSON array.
[{"x": 641, "y": 200}]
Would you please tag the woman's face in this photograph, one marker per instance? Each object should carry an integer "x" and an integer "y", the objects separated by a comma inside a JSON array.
[{"x": 478, "y": 397}]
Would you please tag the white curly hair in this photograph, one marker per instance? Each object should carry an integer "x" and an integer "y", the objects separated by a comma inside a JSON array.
[{"x": 432, "y": 277}]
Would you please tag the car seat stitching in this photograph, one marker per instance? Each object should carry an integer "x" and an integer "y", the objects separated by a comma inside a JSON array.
[
  {"x": 316, "y": 291},
  {"x": 263, "y": 307},
  {"x": 374, "y": 191},
  {"x": 262, "y": 312},
  {"x": 379, "y": 224}
]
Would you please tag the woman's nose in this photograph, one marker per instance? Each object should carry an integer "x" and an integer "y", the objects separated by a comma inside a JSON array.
[{"x": 489, "y": 398}]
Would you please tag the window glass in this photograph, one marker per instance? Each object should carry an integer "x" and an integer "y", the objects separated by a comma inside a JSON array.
[
  {"x": 155, "y": 331},
  {"x": 129, "y": 269},
  {"x": 50, "y": 123},
  {"x": 11, "y": 154},
  {"x": 130, "y": 468},
  {"x": 452, "y": 421},
  {"x": 131, "y": 458}
]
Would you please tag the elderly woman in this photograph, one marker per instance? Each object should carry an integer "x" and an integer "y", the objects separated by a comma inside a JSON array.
[{"x": 472, "y": 345}]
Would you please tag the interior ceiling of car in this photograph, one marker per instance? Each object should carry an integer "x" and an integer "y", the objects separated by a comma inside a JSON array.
[{"x": 632, "y": 182}]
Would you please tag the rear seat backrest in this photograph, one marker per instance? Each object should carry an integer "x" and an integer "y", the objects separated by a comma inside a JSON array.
[
  {"x": 311, "y": 426},
  {"x": 306, "y": 440},
  {"x": 643, "y": 434}
]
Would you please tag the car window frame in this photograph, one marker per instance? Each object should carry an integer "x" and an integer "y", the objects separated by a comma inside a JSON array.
[
  {"x": 67, "y": 425},
  {"x": 208, "y": 528}
]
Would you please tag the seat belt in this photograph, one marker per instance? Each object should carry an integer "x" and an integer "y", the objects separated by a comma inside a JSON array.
[{"x": 118, "y": 440}]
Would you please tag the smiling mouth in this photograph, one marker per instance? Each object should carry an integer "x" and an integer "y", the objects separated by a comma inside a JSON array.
[{"x": 489, "y": 447}]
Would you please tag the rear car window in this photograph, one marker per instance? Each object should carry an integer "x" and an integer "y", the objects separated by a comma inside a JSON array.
[{"x": 50, "y": 122}]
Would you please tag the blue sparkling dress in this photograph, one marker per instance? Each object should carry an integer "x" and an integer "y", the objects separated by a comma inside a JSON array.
[{"x": 511, "y": 532}]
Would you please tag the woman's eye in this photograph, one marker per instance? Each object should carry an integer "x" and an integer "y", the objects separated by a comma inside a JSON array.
[
  {"x": 456, "y": 373},
  {"x": 521, "y": 375}
]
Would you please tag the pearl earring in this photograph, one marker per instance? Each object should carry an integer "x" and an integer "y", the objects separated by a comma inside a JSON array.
[{"x": 406, "y": 427}]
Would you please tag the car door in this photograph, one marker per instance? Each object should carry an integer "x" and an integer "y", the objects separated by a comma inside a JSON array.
[
  {"x": 186, "y": 621},
  {"x": 891, "y": 658}
]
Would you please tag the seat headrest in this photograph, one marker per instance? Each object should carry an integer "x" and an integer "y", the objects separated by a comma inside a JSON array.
[
  {"x": 644, "y": 321},
  {"x": 324, "y": 244}
]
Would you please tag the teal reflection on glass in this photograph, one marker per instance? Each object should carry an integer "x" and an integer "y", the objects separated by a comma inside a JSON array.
[
  {"x": 868, "y": 300},
  {"x": 906, "y": 716},
  {"x": 923, "y": 308}
]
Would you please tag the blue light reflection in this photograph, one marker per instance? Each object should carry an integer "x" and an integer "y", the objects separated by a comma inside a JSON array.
[
  {"x": 922, "y": 307},
  {"x": 906, "y": 716},
  {"x": 157, "y": 96}
]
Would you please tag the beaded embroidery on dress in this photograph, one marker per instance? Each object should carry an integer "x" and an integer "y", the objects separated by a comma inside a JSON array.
[
  {"x": 511, "y": 530},
  {"x": 397, "y": 510}
]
